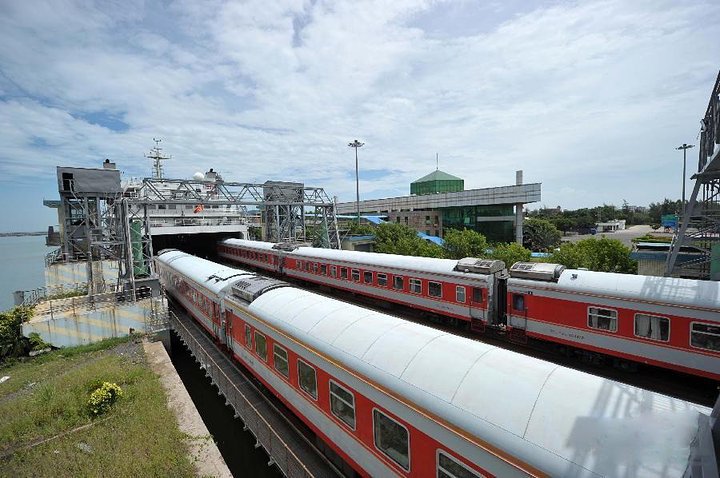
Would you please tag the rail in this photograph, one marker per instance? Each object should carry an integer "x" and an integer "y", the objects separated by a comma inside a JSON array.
[{"x": 267, "y": 437}]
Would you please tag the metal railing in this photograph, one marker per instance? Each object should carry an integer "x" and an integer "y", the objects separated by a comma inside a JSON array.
[
  {"x": 91, "y": 302},
  {"x": 265, "y": 434}
]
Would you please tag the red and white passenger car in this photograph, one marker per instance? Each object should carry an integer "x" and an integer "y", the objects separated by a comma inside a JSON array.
[
  {"x": 394, "y": 398},
  {"x": 667, "y": 322}
]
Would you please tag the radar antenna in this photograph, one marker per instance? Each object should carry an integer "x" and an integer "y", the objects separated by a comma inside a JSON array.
[{"x": 157, "y": 156}]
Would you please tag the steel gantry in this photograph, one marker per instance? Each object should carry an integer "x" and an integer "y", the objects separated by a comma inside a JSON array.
[{"x": 700, "y": 221}]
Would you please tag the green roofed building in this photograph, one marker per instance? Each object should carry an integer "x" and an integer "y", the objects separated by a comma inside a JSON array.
[{"x": 437, "y": 182}]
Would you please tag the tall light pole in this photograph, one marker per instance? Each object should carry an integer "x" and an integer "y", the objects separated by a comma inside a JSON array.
[
  {"x": 684, "y": 148},
  {"x": 357, "y": 144}
]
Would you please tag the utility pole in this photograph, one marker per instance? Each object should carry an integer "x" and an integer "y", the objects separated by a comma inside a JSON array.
[
  {"x": 357, "y": 144},
  {"x": 684, "y": 149}
]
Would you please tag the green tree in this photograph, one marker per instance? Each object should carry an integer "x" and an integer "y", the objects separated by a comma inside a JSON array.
[
  {"x": 392, "y": 238},
  {"x": 12, "y": 343},
  {"x": 540, "y": 235},
  {"x": 603, "y": 255},
  {"x": 465, "y": 243},
  {"x": 510, "y": 253}
]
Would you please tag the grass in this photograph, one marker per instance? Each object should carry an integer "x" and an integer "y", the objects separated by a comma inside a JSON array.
[{"x": 47, "y": 396}]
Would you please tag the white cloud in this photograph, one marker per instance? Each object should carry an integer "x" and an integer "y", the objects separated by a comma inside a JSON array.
[{"x": 589, "y": 98}]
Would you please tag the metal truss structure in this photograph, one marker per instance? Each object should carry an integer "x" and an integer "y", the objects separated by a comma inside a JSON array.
[
  {"x": 101, "y": 223},
  {"x": 700, "y": 222},
  {"x": 292, "y": 212}
]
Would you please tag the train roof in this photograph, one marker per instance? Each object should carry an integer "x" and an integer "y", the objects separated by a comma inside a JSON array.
[
  {"x": 213, "y": 276},
  {"x": 562, "y": 421},
  {"x": 267, "y": 246},
  {"x": 669, "y": 290}
]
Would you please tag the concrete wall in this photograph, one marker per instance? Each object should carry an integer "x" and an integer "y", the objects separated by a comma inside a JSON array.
[
  {"x": 81, "y": 325},
  {"x": 65, "y": 273}
]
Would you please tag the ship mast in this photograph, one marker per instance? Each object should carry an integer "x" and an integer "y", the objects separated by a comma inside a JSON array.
[{"x": 157, "y": 156}]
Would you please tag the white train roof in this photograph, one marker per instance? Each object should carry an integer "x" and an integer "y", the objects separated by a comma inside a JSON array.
[
  {"x": 669, "y": 290},
  {"x": 211, "y": 275},
  {"x": 267, "y": 246},
  {"x": 564, "y": 422}
]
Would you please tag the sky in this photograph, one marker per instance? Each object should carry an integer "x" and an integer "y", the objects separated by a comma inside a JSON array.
[{"x": 589, "y": 98}]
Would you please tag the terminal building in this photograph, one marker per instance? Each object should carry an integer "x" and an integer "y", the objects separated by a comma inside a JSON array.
[{"x": 439, "y": 201}]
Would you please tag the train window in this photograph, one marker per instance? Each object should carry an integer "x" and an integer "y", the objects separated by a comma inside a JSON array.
[
  {"x": 248, "y": 336},
  {"x": 518, "y": 302},
  {"x": 392, "y": 439},
  {"x": 355, "y": 275},
  {"x": 448, "y": 467},
  {"x": 603, "y": 319},
  {"x": 342, "y": 404},
  {"x": 307, "y": 379},
  {"x": 367, "y": 277},
  {"x": 323, "y": 269},
  {"x": 280, "y": 359},
  {"x": 299, "y": 265},
  {"x": 315, "y": 267},
  {"x": 705, "y": 336},
  {"x": 477, "y": 294},
  {"x": 434, "y": 289},
  {"x": 652, "y": 327},
  {"x": 460, "y": 294},
  {"x": 416, "y": 286},
  {"x": 333, "y": 271},
  {"x": 398, "y": 283},
  {"x": 382, "y": 279},
  {"x": 260, "y": 345}
]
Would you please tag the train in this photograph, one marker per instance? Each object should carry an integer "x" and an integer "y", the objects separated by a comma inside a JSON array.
[
  {"x": 397, "y": 398},
  {"x": 672, "y": 323}
]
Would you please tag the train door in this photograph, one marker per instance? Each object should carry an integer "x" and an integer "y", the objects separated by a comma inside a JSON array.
[
  {"x": 517, "y": 305},
  {"x": 500, "y": 300}
]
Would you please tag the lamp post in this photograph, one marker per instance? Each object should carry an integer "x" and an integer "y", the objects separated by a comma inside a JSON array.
[
  {"x": 684, "y": 149},
  {"x": 357, "y": 144}
]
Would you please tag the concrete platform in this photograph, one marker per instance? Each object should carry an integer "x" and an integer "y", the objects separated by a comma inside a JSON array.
[{"x": 204, "y": 453}]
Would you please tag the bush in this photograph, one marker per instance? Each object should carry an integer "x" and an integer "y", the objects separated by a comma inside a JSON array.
[{"x": 103, "y": 398}]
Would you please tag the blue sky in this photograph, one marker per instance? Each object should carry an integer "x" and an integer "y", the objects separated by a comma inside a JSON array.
[{"x": 589, "y": 97}]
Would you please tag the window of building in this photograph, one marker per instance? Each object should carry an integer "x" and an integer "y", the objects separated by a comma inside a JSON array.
[
  {"x": 355, "y": 275},
  {"x": 705, "y": 336},
  {"x": 248, "y": 336},
  {"x": 398, "y": 219},
  {"x": 307, "y": 379},
  {"x": 280, "y": 359},
  {"x": 434, "y": 289},
  {"x": 368, "y": 277},
  {"x": 343, "y": 273},
  {"x": 260, "y": 345},
  {"x": 342, "y": 404},
  {"x": 398, "y": 283},
  {"x": 392, "y": 439},
  {"x": 652, "y": 327},
  {"x": 382, "y": 279},
  {"x": 460, "y": 293},
  {"x": 477, "y": 294},
  {"x": 415, "y": 286},
  {"x": 448, "y": 467},
  {"x": 602, "y": 319},
  {"x": 323, "y": 269}
]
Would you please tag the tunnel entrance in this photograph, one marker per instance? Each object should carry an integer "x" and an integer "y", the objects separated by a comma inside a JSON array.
[{"x": 202, "y": 245}]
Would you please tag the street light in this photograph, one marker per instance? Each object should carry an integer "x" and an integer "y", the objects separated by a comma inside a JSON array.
[
  {"x": 684, "y": 148},
  {"x": 357, "y": 144}
]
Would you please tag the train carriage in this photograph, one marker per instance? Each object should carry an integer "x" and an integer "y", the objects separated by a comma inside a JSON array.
[
  {"x": 665, "y": 322},
  {"x": 668, "y": 322},
  {"x": 395, "y": 398}
]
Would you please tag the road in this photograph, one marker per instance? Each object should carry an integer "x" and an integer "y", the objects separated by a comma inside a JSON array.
[{"x": 625, "y": 236}]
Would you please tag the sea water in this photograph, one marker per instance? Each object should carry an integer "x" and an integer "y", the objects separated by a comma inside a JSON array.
[{"x": 22, "y": 266}]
